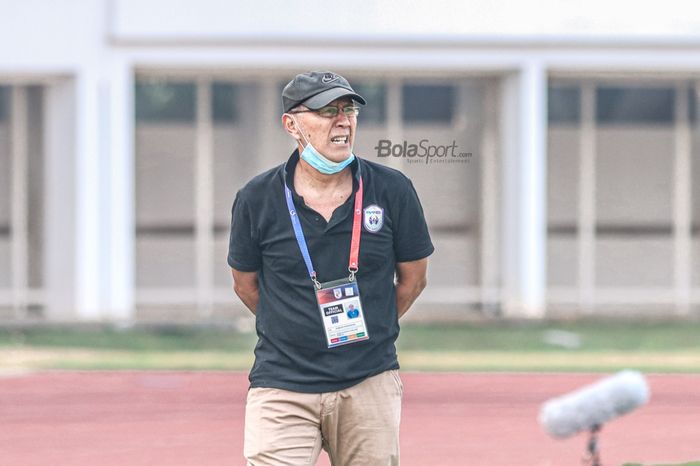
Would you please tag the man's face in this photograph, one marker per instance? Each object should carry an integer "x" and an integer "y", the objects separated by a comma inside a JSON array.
[{"x": 334, "y": 136}]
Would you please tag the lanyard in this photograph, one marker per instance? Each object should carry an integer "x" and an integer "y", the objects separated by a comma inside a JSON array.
[{"x": 353, "y": 264}]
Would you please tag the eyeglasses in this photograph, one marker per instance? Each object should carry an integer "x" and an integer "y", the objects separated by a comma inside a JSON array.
[{"x": 330, "y": 111}]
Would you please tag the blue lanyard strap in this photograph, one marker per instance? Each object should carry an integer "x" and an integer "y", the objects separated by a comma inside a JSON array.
[
  {"x": 299, "y": 233},
  {"x": 353, "y": 265}
]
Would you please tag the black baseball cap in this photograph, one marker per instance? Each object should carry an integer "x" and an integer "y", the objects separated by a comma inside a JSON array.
[{"x": 316, "y": 89}]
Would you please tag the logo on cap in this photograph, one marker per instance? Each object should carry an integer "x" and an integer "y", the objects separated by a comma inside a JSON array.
[{"x": 329, "y": 78}]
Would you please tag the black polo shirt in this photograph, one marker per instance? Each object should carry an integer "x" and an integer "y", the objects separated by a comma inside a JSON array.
[{"x": 292, "y": 352}]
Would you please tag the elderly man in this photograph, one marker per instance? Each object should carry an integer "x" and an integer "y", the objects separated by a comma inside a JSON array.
[{"x": 320, "y": 235}]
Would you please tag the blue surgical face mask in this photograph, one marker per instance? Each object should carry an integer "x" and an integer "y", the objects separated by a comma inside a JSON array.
[{"x": 318, "y": 161}]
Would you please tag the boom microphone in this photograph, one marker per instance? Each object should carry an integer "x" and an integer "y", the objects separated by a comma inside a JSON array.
[{"x": 593, "y": 405}]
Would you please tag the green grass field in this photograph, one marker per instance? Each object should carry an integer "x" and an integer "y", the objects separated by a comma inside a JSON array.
[{"x": 604, "y": 346}]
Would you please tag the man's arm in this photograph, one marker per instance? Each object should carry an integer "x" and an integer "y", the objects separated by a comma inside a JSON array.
[
  {"x": 410, "y": 282},
  {"x": 245, "y": 284}
]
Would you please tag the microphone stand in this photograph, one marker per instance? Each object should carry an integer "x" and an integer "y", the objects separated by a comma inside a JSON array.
[{"x": 593, "y": 453}]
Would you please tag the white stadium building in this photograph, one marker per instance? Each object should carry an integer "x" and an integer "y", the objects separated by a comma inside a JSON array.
[{"x": 127, "y": 126}]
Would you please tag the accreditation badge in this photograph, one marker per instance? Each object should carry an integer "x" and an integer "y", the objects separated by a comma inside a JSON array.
[{"x": 342, "y": 312}]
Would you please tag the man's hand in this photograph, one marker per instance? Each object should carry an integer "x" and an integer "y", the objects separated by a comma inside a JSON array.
[
  {"x": 410, "y": 282},
  {"x": 245, "y": 284}
]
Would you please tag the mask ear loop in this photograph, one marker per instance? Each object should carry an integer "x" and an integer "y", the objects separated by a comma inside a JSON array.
[{"x": 301, "y": 131}]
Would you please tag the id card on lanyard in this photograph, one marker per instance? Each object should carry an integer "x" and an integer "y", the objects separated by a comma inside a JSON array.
[
  {"x": 342, "y": 312},
  {"x": 338, "y": 301}
]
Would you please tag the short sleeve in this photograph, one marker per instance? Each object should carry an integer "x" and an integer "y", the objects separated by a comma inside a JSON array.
[
  {"x": 411, "y": 237},
  {"x": 243, "y": 248}
]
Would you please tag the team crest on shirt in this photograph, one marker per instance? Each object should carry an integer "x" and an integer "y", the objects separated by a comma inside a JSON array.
[{"x": 373, "y": 218}]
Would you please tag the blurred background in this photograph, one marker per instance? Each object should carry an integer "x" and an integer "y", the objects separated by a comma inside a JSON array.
[{"x": 126, "y": 128}]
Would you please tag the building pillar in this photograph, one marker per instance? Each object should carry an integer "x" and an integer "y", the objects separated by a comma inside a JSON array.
[
  {"x": 89, "y": 252},
  {"x": 682, "y": 202},
  {"x": 19, "y": 226},
  {"x": 524, "y": 253},
  {"x": 118, "y": 221},
  {"x": 60, "y": 200}
]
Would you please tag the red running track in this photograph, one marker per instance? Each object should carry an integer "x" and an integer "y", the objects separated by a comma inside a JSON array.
[{"x": 196, "y": 418}]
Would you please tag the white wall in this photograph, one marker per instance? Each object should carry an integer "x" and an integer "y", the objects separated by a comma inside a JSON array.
[
  {"x": 42, "y": 36},
  {"x": 395, "y": 20}
]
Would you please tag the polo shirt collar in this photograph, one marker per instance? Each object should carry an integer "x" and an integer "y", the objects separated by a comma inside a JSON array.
[{"x": 291, "y": 164}]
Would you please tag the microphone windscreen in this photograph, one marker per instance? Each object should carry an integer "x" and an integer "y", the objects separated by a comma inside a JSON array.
[{"x": 594, "y": 404}]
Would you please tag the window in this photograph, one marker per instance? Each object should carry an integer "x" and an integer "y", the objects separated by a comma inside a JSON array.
[
  {"x": 165, "y": 161},
  {"x": 428, "y": 103},
  {"x": 4, "y": 102},
  {"x": 223, "y": 103},
  {"x": 172, "y": 240},
  {"x": 634, "y": 105},
  {"x": 375, "y": 95},
  {"x": 22, "y": 166},
  {"x": 692, "y": 105},
  {"x": 163, "y": 101},
  {"x": 628, "y": 152},
  {"x": 564, "y": 105}
]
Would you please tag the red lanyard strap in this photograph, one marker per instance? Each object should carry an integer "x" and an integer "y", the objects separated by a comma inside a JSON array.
[
  {"x": 354, "y": 262},
  {"x": 353, "y": 265}
]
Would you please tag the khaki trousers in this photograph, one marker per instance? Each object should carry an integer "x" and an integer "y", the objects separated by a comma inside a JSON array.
[{"x": 357, "y": 426}]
